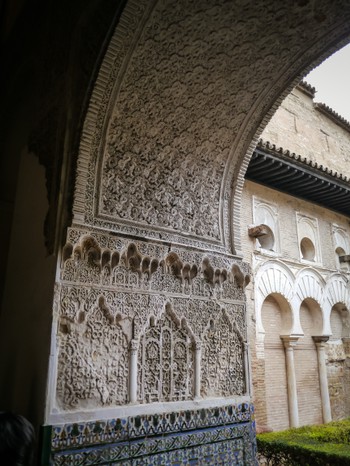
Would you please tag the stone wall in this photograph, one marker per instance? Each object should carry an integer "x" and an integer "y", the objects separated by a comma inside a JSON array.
[{"x": 301, "y": 128}]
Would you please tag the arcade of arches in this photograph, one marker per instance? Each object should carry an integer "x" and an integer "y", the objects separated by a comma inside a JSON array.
[
  {"x": 127, "y": 127},
  {"x": 298, "y": 244}
]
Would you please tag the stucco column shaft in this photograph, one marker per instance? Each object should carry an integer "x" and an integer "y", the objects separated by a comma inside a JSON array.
[
  {"x": 246, "y": 369},
  {"x": 197, "y": 374},
  {"x": 133, "y": 372},
  {"x": 289, "y": 343},
  {"x": 322, "y": 372}
]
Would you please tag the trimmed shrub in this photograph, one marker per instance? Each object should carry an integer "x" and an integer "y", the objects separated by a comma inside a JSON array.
[{"x": 327, "y": 445}]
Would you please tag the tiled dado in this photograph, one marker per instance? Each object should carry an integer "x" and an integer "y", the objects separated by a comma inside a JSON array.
[{"x": 223, "y": 435}]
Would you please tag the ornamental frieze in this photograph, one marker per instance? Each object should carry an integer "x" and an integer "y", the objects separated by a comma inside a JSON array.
[{"x": 137, "y": 323}]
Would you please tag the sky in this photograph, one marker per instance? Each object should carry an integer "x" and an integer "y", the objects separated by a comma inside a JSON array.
[{"x": 332, "y": 82}]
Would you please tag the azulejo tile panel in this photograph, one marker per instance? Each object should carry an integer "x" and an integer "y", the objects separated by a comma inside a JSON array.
[{"x": 223, "y": 435}]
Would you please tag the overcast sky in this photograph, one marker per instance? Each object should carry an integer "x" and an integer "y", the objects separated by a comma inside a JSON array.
[{"x": 332, "y": 82}]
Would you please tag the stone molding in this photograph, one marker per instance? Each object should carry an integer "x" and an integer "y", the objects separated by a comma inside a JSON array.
[
  {"x": 290, "y": 341},
  {"x": 321, "y": 339}
]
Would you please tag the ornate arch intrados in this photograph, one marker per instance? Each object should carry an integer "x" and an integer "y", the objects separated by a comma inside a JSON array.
[
  {"x": 309, "y": 285},
  {"x": 182, "y": 94}
]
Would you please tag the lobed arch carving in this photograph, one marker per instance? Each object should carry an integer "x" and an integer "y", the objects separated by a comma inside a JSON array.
[
  {"x": 309, "y": 284},
  {"x": 93, "y": 357},
  {"x": 273, "y": 277},
  {"x": 223, "y": 358},
  {"x": 336, "y": 293}
]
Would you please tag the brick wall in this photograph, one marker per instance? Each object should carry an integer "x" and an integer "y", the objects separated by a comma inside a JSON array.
[
  {"x": 300, "y": 128},
  {"x": 306, "y": 371},
  {"x": 287, "y": 208},
  {"x": 275, "y": 368}
]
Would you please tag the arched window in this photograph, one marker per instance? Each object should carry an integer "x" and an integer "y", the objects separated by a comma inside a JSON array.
[
  {"x": 267, "y": 240},
  {"x": 265, "y": 228},
  {"x": 340, "y": 253},
  {"x": 307, "y": 249},
  {"x": 341, "y": 247}
]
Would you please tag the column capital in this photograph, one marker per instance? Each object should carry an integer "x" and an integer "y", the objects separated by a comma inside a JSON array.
[
  {"x": 290, "y": 341},
  {"x": 197, "y": 345},
  {"x": 133, "y": 346},
  {"x": 320, "y": 340}
]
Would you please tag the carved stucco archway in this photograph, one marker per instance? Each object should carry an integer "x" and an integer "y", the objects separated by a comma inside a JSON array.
[
  {"x": 172, "y": 117},
  {"x": 336, "y": 292},
  {"x": 212, "y": 72},
  {"x": 182, "y": 95},
  {"x": 272, "y": 278}
]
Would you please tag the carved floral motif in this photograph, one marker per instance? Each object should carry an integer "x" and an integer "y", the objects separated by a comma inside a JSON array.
[
  {"x": 222, "y": 359},
  {"x": 92, "y": 359},
  {"x": 115, "y": 302}
]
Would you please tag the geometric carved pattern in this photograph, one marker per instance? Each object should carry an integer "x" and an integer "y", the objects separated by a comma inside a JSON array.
[
  {"x": 166, "y": 362},
  {"x": 222, "y": 359},
  {"x": 221, "y": 435}
]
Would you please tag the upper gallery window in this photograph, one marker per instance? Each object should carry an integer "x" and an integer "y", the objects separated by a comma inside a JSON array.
[
  {"x": 265, "y": 227},
  {"x": 309, "y": 244}
]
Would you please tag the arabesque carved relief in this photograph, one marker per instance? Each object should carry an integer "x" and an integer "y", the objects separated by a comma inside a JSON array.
[
  {"x": 93, "y": 359},
  {"x": 135, "y": 314},
  {"x": 222, "y": 358},
  {"x": 166, "y": 361}
]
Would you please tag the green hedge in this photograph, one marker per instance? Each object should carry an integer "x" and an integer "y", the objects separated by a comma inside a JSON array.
[{"x": 327, "y": 444}]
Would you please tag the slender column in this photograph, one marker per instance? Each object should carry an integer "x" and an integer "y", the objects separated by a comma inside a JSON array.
[
  {"x": 197, "y": 373},
  {"x": 246, "y": 368},
  {"x": 289, "y": 343},
  {"x": 133, "y": 371},
  {"x": 322, "y": 372}
]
